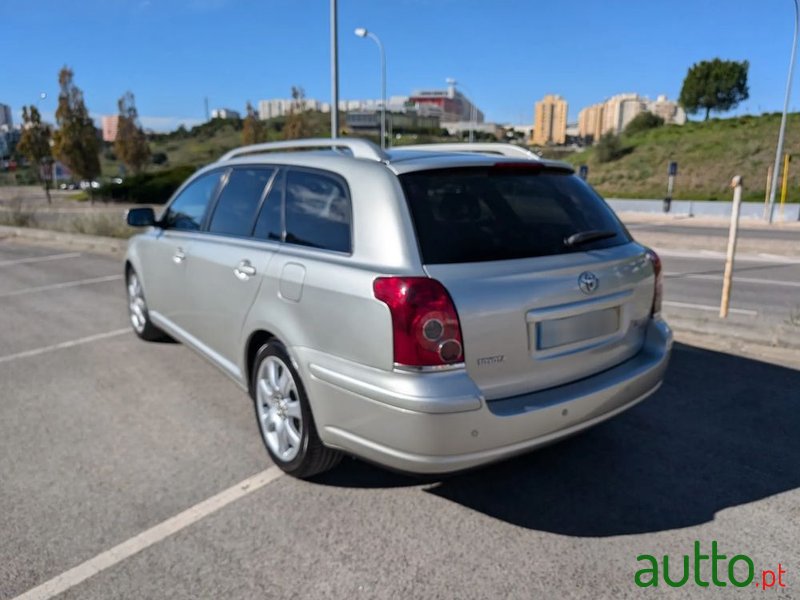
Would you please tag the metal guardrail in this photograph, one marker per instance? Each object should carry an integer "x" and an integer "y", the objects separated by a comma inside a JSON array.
[{"x": 358, "y": 148}]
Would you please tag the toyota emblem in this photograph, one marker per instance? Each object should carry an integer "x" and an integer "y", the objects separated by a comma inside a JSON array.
[{"x": 588, "y": 282}]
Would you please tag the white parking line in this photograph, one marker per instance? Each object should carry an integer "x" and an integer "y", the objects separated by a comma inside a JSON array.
[
  {"x": 62, "y": 345},
  {"x": 34, "y": 259},
  {"x": 708, "y": 307},
  {"x": 58, "y": 286},
  {"x": 128, "y": 548},
  {"x": 736, "y": 279}
]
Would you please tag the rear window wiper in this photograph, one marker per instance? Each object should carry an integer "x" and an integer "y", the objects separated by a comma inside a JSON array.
[{"x": 584, "y": 237}]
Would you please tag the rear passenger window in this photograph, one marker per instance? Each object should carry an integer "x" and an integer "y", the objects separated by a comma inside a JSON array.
[
  {"x": 317, "y": 211},
  {"x": 239, "y": 200}
]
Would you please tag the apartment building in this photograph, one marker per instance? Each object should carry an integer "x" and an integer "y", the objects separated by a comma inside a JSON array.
[
  {"x": 110, "y": 125},
  {"x": 614, "y": 114},
  {"x": 550, "y": 121}
]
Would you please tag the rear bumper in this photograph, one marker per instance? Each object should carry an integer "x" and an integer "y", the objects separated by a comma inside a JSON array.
[{"x": 437, "y": 423}]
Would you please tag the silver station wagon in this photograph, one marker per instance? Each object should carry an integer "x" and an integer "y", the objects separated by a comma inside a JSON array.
[{"x": 429, "y": 309}]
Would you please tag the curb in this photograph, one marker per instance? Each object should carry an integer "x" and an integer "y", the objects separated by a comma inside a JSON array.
[{"x": 89, "y": 243}]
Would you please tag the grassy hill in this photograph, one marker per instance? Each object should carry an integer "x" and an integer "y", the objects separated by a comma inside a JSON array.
[{"x": 708, "y": 155}]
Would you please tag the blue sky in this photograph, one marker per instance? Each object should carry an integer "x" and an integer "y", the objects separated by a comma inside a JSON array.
[{"x": 507, "y": 53}]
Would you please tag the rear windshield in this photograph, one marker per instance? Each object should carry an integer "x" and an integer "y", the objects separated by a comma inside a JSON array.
[{"x": 494, "y": 213}]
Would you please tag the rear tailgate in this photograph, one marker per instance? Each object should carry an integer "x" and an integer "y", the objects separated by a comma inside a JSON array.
[{"x": 548, "y": 285}]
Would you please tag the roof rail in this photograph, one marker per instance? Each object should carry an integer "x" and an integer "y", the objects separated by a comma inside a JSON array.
[
  {"x": 359, "y": 148},
  {"x": 510, "y": 150}
]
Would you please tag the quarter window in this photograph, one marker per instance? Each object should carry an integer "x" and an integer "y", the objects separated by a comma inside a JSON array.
[
  {"x": 187, "y": 210},
  {"x": 238, "y": 202},
  {"x": 317, "y": 211}
]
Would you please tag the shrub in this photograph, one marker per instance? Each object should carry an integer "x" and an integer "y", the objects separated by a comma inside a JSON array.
[
  {"x": 609, "y": 148},
  {"x": 642, "y": 122},
  {"x": 148, "y": 188}
]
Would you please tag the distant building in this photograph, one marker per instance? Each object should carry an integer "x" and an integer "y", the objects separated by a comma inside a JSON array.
[
  {"x": 525, "y": 129},
  {"x": 550, "y": 121},
  {"x": 109, "y": 125},
  {"x": 461, "y": 128},
  {"x": 279, "y": 107},
  {"x": 454, "y": 105},
  {"x": 9, "y": 138},
  {"x": 590, "y": 123},
  {"x": 670, "y": 111},
  {"x": 6, "y": 120},
  {"x": 613, "y": 115},
  {"x": 225, "y": 113},
  {"x": 396, "y": 122}
]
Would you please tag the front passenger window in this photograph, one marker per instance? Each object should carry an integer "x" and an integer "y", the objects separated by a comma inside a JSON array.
[
  {"x": 187, "y": 210},
  {"x": 239, "y": 200}
]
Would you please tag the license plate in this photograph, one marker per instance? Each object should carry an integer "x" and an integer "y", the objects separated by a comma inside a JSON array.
[{"x": 569, "y": 330}]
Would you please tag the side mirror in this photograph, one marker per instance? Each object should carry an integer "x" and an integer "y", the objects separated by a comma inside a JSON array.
[{"x": 141, "y": 217}]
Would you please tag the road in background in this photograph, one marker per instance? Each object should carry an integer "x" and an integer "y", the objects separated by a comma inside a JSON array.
[
  {"x": 103, "y": 436},
  {"x": 761, "y": 287},
  {"x": 720, "y": 230}
]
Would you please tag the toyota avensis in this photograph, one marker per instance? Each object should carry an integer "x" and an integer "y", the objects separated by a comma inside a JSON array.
[{"x": 429, "y": 309}]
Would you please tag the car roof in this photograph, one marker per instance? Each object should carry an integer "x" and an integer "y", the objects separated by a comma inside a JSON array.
[{"x": 337, "y": 154}]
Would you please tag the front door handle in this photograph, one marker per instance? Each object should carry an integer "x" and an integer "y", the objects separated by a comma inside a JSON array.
[
  {"x": 179, "y": 256},
  {"x": 244, "y": 270}
]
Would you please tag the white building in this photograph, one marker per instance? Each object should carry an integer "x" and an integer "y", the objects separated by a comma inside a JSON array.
[{"x": 225, "y": 113}]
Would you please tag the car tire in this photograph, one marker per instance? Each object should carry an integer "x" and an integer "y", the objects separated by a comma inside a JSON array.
[
  {"x": 137, "y": 311},
  {"x": 284, "y": 415}
]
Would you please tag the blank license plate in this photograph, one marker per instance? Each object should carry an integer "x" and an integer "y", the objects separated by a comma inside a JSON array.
[{"x": 568, "y": 330}]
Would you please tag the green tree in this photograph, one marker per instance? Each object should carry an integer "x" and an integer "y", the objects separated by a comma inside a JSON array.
[
  {"x": 297, "y": 125},
  {"x": 717, "y": 85},
  {"x": 76, "y": 143},
  {"x": 131, "y": 143},
  {"x": 253, "y": 130},
  {"x": 34, "y": 144},
  {"x": 609, "y": 148},
  {"x": 642, "y": 122}
]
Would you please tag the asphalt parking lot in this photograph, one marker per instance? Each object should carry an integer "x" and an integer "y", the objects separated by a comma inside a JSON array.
[{"x": 103, "y": 437}]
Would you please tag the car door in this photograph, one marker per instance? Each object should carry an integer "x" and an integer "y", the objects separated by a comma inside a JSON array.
[
  {"x": 165, "y": 255},
  {"x": 227, "y": 262}
]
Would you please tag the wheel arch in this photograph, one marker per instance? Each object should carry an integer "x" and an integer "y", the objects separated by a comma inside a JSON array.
[{"x": 255, "y": 340}]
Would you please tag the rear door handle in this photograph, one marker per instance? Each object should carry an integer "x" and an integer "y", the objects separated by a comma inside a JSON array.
[
  {"x": 179, "y": 256},
  {"x": 244, "y": 270}
]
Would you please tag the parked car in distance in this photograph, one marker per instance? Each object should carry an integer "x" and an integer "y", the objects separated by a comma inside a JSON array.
[{"x": 430, "y": 310}]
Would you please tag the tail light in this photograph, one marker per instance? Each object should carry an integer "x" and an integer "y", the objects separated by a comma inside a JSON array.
[
  {"x": 658, "y": 293},
  {"x": 425, "y": 324}
]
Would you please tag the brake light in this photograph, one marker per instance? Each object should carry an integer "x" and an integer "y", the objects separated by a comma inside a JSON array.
[
  {"x": 658, "y": 292},
  {"x": 425, "y": 326}
]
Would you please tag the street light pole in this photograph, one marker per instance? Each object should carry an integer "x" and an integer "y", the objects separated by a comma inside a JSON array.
[
  {"x": 473, "y": 116},
  {"x": 334, "y": 72},
  {"x": 362, "y": 33},
  {"x": 779, "y": 150}
]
